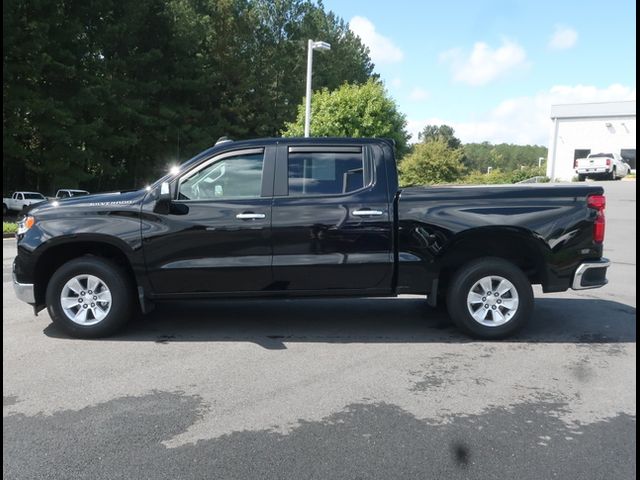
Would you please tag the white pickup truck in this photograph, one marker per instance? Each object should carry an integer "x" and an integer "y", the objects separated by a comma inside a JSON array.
[
  {"x": 601, "y": 165},
  {"x": 19, "y": 200}
]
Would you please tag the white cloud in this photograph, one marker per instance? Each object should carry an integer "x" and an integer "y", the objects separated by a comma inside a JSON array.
[
  {"x": 382, "y": 49},
  {"x": 418, "y": 95},
  {"x": 525, "y": 120},
  {"x": 485, "y": 64},
  {"x": 563, "y": 38}
]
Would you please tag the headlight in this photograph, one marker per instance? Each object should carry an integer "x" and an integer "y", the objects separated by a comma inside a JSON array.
[{"x": 25, "y": 224}]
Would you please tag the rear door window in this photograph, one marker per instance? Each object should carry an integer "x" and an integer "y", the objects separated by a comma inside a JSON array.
[{"x": 325, "y": 172}]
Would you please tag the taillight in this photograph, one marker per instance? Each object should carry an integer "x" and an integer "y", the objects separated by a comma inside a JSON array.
[
  {"x": 598, "y": 202},
  {"x": 608, "y": 162}
]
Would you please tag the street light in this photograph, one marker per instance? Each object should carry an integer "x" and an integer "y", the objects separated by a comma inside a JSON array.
[{"x": 307, "y": 111}]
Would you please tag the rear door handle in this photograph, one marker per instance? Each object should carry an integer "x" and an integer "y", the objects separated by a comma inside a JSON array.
[
  {"x": 250, "y": 216},
  {"x": 367, "y": 212}
]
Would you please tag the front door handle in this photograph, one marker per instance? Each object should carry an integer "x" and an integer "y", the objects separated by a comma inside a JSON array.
[
  {"x": 367, "y": 212},
  {"x": 250, "y": 216}
]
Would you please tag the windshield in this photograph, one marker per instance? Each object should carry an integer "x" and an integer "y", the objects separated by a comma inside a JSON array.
[
  {"x": 33, "y": 196},
  {"x": 598, "y": 155}
]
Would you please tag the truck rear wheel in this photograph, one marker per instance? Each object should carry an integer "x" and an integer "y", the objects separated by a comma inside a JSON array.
[
  {"x": 490, "y": 298},
  {"x": 89, "y": 297},
  {"x": 581, "y": 177}
]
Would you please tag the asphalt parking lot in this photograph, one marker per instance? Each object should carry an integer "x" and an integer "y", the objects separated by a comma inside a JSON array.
[{"x": 349, "y": 389}]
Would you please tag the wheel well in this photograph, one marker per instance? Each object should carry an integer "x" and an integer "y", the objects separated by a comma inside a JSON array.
[
  {"x": 511, "y": 246},
  {"x": 58, "y": 255}
]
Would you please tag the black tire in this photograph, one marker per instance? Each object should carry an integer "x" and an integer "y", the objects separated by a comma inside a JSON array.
[
  {"x": 464, "y": 280},
  {"x": 613, "y": 174},
  {"x": 582, "y": 178},
  {"x": 118, "y": 283}
]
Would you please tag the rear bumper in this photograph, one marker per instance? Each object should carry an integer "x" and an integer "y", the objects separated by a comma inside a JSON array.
[
  {"x": 592, "y": 171},
  {"x": 591, "y": 274},
  {"x": 23, "y": 291}
]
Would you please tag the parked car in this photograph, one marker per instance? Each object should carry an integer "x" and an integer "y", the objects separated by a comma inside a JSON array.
[
  {"x": 67, "y": 193},
  {"x": 312, "y": 217},
  {"x": 601, "y": 165},
  {"x": 20, "y": 200}
]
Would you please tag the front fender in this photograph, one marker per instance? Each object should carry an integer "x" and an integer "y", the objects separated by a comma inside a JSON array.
[{"x": 84, "y": 234}]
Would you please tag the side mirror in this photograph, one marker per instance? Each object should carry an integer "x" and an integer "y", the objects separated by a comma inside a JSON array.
[{"x": 165, "y": 193}]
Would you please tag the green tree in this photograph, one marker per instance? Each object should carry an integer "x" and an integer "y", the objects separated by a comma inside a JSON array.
[
  {"x": 431, "y": 162},
  {"x": 444, "y": 132},
  {"x": 503, "y": 156},
  {"x": 277, "y": 72},
  {"x": 104, "y": 94},
  {"x": 353, "y": 111},
  {"x": 47, "y": 68}
]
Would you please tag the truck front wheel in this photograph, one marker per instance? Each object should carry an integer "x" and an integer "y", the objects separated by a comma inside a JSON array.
[
  {"x": 490, "y": 298},
  {"x": 89, "y": 297}
]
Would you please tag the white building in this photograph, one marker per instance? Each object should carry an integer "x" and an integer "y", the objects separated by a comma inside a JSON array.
[{"x": 583, "y": 128}]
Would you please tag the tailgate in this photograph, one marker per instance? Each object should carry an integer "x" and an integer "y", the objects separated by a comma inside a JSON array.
[{"x": 597, "y": 162}]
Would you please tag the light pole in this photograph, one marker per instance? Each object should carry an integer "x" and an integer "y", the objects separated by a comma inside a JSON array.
[{"x": 307, "y": 110}]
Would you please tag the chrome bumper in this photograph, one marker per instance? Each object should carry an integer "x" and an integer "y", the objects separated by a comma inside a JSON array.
[
  {"x": 24, "y": 291},
  {"x": 591, "y": 275},
  {"x": 587, "y": 171}
]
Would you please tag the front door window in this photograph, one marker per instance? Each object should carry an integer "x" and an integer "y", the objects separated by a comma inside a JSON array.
[{"x": 236, "y": 177}]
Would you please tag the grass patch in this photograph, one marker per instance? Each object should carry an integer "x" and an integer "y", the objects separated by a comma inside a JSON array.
[{"x": 9, "y": 227}]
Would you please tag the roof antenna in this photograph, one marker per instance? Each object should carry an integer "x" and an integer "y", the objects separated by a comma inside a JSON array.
[{"x": 223, "y": 139}]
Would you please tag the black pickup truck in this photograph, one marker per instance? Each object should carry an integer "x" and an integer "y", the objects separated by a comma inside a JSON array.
[{"x": 291, "y": 217}]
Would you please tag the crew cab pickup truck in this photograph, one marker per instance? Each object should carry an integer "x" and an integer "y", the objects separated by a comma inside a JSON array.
[
  {"x": 308, "y": 217},
  {"x": 19, "y": 200},
  {"x": 601, "y": 165}
]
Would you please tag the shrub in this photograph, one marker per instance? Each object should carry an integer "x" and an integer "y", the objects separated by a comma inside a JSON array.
[
  {"x": 497, "y": 176},
  {"x": 365, "y": 110},
  {"x": 9, "y": 228},
  {"x": 431, "y": 162}
]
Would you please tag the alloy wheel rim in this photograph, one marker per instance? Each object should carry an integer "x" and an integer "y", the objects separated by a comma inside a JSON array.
[
  {"x": 85, "y": 300},
  {"x": 493, "y": 301}
]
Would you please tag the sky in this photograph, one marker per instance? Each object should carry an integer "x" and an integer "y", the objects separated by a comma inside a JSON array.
[{"x": 492, "y": 69}]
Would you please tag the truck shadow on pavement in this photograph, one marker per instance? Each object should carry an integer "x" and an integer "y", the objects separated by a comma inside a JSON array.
[{"x": 273, "y": 323}]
